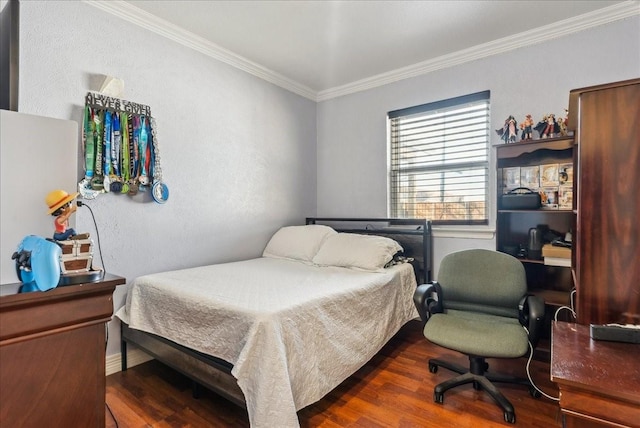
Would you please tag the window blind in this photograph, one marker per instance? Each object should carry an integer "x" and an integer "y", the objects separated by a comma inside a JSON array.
[{"x": 439, "y": 161}]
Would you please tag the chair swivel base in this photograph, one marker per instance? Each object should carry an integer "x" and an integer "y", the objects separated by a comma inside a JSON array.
[{"x": 481, "y": 380}]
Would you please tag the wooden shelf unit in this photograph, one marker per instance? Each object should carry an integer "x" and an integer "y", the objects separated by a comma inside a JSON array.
[
  {"x": 512, "y": 226},
  {"x": 552, "y": 283}
]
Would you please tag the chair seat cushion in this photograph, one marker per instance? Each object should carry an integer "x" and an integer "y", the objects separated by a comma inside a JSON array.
[{"x": 478, "y": 334}]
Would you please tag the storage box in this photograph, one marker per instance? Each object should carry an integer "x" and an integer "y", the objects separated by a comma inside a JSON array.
[
  {"x": 549, "y": 250},
  {"x": 68, "y": 248},
  {"x": 74, "y": 264},
  {"x": 77, "y": 247},
  {"x": 84, "y": 247}
]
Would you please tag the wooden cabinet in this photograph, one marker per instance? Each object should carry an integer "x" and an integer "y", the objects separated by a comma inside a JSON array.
[
  {"x": 553, "y": 283},
  {"x": 52, "y": 354},
  {"x": 606, "y": 120},
  {"x": 599, "y": 381}
]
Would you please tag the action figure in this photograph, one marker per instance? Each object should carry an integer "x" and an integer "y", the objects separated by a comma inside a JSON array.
[
  {"x": 61, "y": 207},
  {"x": 509, "y": 132},
  {"x": 564, "y": 123},
  {"x": 527, "y": 128},
  {"x": 548, "y": 127}
]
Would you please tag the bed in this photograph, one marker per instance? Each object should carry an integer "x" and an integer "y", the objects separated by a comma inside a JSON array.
[{"x": 277, "y": 333}]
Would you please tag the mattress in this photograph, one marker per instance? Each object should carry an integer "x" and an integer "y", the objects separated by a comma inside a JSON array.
[{"x": 293, "y": 331}]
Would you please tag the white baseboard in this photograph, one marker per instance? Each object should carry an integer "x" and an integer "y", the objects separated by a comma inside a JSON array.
[{"x": 134, "y": 357}]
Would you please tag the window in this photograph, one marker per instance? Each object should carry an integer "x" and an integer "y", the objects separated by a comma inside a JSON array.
[{"x": 440, "y": 161}]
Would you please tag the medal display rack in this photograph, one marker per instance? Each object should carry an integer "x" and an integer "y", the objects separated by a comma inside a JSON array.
[{"x": 121, "y": 151}]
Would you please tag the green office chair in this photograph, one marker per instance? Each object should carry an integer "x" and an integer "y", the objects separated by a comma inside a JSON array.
[{"x": 479, "y": 307}]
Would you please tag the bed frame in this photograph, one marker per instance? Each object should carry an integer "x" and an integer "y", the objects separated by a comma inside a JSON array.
[
  {"x": 214, "y": 373},
  {"x": 413, "y": 234}
]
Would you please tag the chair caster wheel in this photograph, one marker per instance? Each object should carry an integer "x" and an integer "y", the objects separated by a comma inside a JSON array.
[
  {"x": 510, "y": 417},
  {"x": 438, "y": 397},
  {"x": 433, "y": 368},
  {"x": 534, "y": 393}
]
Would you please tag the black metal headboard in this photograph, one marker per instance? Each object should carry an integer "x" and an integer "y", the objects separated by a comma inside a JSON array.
[{"x": 413, "y": 234}]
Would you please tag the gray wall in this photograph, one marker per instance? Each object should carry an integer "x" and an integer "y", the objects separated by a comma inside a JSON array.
[
  {"x": 238, "y": 153},
  {"x": 352, "y": 133}
]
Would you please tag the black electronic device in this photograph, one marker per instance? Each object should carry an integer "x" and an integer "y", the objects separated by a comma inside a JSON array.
[
  {"x": 561, "y": 243},
  {"x": 521, "y": 198},
  {"x": 629, "y": 333}
]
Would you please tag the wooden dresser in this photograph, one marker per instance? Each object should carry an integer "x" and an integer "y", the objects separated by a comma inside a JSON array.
[
  {"x": 599, "y": 381},
  {"x": 52, "y": 354}
]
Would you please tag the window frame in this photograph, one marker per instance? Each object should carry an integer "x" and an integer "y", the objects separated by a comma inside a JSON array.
[{"x": 447, "y": 105}]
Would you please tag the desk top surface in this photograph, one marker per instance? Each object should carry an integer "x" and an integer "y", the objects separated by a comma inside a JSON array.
[
  {"x": 608, "y": 368},
  {"x": 9, "y": 292}
]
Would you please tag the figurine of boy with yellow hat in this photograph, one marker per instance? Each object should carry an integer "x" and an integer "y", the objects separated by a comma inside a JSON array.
[{"x": 61, "y": 207}]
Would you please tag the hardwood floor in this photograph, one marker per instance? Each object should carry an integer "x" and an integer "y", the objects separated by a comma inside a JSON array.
[{"x": 394, "y": 389}]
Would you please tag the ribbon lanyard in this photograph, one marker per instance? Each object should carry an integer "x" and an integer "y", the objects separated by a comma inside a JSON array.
[
  {"x": 132, "y": 147},
  {"x": 97, "y": 136},
  {"x": 124, "y": 125},
  {"x": 115, "y": 147},
  {"x": 136, "y": 149},
  {"x": 107, "y": 143},
  {"x": 143, "y": 145},
  {"x": 90, "y": 147}
]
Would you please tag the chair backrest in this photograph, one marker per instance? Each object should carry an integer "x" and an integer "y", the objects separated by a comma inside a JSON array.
[{"x": 482, "y": 281}]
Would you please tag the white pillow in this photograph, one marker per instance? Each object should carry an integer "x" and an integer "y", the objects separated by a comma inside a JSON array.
[
  {"x": 367, "y": 252},
  {"x": 297, "y": 242}
]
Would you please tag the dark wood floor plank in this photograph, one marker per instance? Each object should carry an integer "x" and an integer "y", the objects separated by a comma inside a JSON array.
[{"x": 394, "y": 389}]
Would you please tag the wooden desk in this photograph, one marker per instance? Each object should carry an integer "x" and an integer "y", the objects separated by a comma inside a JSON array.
[
  {"x": 52, "y": 354},
  {"x": 599, "y": 381}
]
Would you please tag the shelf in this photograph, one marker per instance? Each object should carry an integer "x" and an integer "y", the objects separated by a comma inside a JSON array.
[
  {"x": 534, "y": 261},
  {"x": 514, "y": 150},
  {"x": 550, "y": 283}
]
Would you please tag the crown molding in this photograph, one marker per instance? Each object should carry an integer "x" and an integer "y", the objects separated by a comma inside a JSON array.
[
  {"x": 141, "y": 18},
  {"x": 538, "y": 35},
  {"x": 137, "y": 16}
]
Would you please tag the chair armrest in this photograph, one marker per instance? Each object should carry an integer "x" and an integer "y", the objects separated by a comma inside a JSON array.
[
  {"x": 428, "y": 300},
  {"x": 531, "y": 316}
]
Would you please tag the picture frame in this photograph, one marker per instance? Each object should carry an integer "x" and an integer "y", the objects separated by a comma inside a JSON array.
[
  {"x": 565, "y": 198},
  {"x": 511, "y": 178},
  {"x": 549, "y": 198},
  {"x": 530, "y": 177},
  {"x": 565, "y": 174},
  {"x": 549, "y": 175}
]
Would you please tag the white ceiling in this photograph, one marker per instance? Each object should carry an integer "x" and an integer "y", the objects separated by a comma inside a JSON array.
[{"x": 320, "y": 48}]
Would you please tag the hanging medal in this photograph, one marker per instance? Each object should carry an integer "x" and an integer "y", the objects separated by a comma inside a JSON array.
[
  {"x": 89, "y": 126},
  {"x": 125, "y": 152},
  {"x": 143, "y": 142},
  {"x": 116, "y": 141},
  {"x": 133, "y": 153},
  {"x": 159, "y": 191},
  {"x": 97, "y": 179},
  {"x": 107, "y": 151}
]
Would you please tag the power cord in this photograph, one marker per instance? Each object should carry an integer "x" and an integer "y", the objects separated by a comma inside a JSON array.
[
  {"x": 569, "y": 308},
  {"x": 111, "y": 413},
  {"x": 95, "y": 225},
  {"x": 531, "y": 380},
  {"x": 104, "y": 271},
  {"x": 555, "y": 318}
]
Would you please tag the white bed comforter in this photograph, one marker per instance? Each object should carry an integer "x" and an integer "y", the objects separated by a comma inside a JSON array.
[{"x": 292, "y": 331}]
